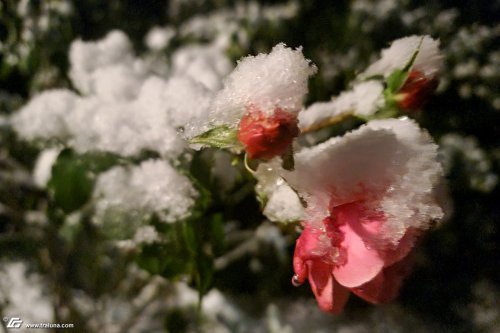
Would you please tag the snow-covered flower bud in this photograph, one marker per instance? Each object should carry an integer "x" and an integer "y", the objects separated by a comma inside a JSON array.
[
  {"x": 421, "y": 53},
  {"x": 411, "y": 68},
  {"x": 267, "y": 136},
  {"x": 259, "y": 103}
]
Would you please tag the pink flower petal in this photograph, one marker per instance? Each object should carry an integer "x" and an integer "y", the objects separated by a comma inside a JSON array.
[
  {"x": 362, "y": 262},
  {"x": 304, "y": 249},
  {"x": 385, "y": 286},
  {"x": 330, "y": 295}
]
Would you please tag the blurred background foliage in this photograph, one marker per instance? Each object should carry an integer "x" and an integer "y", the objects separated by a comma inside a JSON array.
[{"x": 456, "y": 283}]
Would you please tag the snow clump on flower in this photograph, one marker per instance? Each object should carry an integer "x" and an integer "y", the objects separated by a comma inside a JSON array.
[
  {"x": 390, "y": 165},
  {"x": 429, "y": 60},
  {"x": 153, "y": 186},
  {"x": 266, "y": 82}
]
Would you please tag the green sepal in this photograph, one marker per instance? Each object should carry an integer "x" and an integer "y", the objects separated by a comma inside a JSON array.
[
  {"x": 222, "y": 137},
  {"x": 413, "y": 57},
  {"x": 398, "y": 77},
  {"x": 396, "y": 80}
]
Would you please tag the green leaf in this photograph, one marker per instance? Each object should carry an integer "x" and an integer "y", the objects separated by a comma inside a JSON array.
[
  {"x": 71, "y": 184},
  {"x": 72, "y": 178},
  {"x": 222, "y": 137}
]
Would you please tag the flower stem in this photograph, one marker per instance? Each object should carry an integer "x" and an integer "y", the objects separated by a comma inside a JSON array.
[{"x": 326, "y": 122}]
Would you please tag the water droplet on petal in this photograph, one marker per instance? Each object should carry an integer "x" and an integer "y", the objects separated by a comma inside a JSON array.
[{"x": 295, "y": 281}]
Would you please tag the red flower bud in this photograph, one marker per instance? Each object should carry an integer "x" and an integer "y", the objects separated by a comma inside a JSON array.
[
  {"x": 416, "y": 90},
  {"x": 267, "y": 136}
]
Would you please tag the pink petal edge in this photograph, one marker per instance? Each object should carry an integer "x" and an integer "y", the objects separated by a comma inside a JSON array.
[{"x": 330, "y": 295}]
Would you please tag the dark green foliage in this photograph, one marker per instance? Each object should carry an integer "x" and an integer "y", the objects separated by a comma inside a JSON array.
[{"x": 73, "y": 176}]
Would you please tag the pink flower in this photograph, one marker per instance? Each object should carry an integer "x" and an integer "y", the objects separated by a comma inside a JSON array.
[
  {"x": 369, "y": 194},
  {"x": 344, "y": 256},
  {"x": 267, "y": 136}
]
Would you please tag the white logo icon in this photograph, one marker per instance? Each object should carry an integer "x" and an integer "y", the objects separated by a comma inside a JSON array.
[{"x": 14, "y": 322}]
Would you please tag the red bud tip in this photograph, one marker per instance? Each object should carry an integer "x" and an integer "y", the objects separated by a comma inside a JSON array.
[
  {"x": 416, "y": 90},
  {"x": 265, "y": 137}
]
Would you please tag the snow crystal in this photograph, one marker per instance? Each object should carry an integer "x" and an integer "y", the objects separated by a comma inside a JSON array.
[
  {"x": 282, "y": 203},
  {"x": 429, "y": 59},
  {"x": 43, "y": 166},
  {"x": 390, "y": 164},
  {"x": 364, "y": 99},
  {"x": 44, "y": 116},
  {"x": 267, "y": 81},
  {"x": 152, "y": 186}
]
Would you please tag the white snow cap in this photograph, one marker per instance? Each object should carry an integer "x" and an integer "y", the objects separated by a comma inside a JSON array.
[
  {"x": 364, "y": 99},
  {"x": 283, "y": 204},
  {"x": 267, "y": 81},
  {"x": 44, "y": 115},
  {"x": 429, "y": 59},
  {"x": 390, "y": 165},
  {"x": 152, "y": 186}
]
